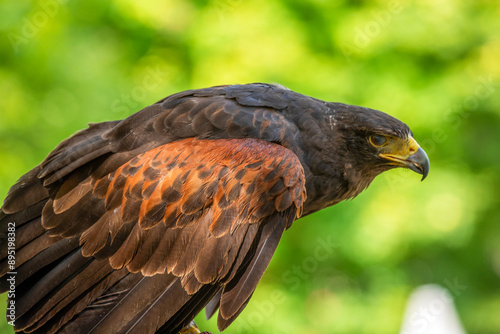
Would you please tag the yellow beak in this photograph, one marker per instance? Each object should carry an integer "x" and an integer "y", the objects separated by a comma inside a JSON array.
[{"x": 409, "y": 155}]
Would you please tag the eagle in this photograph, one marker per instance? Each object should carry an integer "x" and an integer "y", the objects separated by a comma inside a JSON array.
[{"x": 137, "y": 225}]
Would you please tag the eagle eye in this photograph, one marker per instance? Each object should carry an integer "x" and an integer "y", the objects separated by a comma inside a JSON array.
[{"x": 378, "y": 140}]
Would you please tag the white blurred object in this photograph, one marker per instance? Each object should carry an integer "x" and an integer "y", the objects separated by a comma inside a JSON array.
[{"x": 430, "y": 310}]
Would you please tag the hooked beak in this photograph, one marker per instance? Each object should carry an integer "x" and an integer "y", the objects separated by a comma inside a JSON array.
[{"x": 411, "y": 156}]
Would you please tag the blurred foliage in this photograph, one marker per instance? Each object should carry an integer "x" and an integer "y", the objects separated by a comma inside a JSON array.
[{"x": 350, "y": 268}]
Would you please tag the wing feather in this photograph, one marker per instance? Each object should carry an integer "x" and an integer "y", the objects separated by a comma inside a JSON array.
[{"x": 154, "y": 209}]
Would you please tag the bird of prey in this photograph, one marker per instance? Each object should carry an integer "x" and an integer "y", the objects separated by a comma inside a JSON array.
[{"x": 135, "y": 226}]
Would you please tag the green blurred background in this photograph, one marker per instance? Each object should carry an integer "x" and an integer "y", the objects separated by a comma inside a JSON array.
[{"x": 347, "y": 269}]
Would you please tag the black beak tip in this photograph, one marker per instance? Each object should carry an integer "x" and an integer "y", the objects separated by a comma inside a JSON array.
[
  {"x": 419, "y": 163},
  {"x": 424, "y": 174}
]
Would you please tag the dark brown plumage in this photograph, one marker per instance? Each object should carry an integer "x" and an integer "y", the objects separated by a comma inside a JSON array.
[{"x": 134, "y": 226}]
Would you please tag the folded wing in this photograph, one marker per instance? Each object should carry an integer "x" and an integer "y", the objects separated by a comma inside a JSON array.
[{"x": 145, "y": 247}]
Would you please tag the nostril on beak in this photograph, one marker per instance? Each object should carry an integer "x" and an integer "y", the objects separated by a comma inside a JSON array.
[{"x": 412, "y": 146}]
